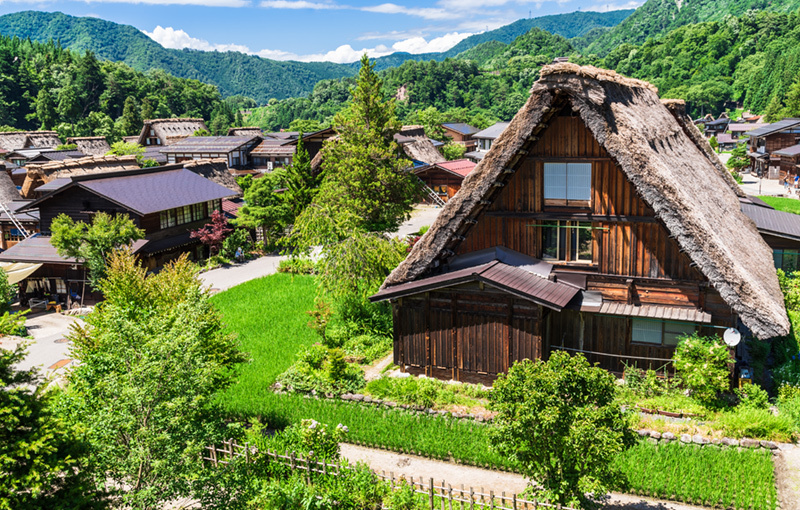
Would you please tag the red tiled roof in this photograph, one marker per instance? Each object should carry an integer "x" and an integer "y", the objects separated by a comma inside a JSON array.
[{"x": 460, "y": 166}]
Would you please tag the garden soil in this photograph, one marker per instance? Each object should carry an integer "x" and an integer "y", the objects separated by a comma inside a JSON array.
[{"x": 498, "y": 481}]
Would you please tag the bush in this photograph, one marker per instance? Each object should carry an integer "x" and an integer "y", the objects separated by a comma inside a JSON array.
[
  {"x": 752, "y": 396},
  {"x": 789, "y": 403},
  {"x": 311, "y": 436},
  {"x": 296, "y": 265},
  {"x": 322, "y": 370},
  {"x": 426, "y": 392},
  {"x": 646, "y": 383},
  {"x": 7, "y": 293},
  {"x": 558, "y": 419},
  {"x": 13, "y": 324},
  {"x": 702, "y": 363},
  {"x": 239, "y": 238}
]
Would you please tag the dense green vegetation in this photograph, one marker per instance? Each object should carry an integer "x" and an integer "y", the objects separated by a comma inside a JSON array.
[
  {"x": 232, "y": 72},
  {"x": 49, "y": 87}
]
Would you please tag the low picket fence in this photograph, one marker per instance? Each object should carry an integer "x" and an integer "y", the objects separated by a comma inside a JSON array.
[{"x": 441, "y": 496}]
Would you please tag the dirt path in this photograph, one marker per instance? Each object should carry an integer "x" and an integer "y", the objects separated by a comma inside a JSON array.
[
  {"x": 468, "y": 476},
  {"x": 787, "y": 474},
  {"x": 374, "y": 371}
]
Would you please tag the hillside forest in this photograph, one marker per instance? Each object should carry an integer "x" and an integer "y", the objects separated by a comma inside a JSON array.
[
  {"x": 44, "y": 86},
  {"x": 753, "y": 59}
]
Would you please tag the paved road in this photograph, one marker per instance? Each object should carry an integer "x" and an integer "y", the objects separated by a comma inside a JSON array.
[
  {"x": 48, "y": 350},
  {"x": 224, "y": 278},
  {"x": 423, "y": 215}
]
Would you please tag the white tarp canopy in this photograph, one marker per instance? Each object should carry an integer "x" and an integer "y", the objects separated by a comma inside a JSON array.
[{"x": 18, "y": 271}]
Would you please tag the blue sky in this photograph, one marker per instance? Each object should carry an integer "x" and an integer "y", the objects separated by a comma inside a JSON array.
[{"x": 333, "y": 30}]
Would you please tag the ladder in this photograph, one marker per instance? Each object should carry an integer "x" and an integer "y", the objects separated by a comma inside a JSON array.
[
  {"x": 435, "y": 198},
  {"x": 14, "y": 220}
]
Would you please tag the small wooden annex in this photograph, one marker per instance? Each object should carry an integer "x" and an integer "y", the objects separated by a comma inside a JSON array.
[{"x": 600, "y": 222}]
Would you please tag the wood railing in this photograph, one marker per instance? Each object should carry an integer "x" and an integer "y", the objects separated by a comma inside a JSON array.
[{"x": 440, "y": 496}]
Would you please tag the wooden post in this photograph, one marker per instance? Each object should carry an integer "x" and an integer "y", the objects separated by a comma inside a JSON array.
[
  {"x": 491, "y": 499},
  {"x": 450, "y": 495},
  {"x": 471, "y": 499},
  {"x": 454, "y": 337},
  {"x": 428, "y": 350},
  {"x": 247, "y": 453},
  {"x": 431, "y": 492},
  {"x": 514, "y": 502},
  {"x": 292, "y": 459},
  {"x": 309, "y": 464}
]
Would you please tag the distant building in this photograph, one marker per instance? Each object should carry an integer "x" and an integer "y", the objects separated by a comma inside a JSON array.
[
  {"x": 462, "y": 134},
  {"x": 445, "y": 178},
  {"x": 235, "y": 149},
  {"x": 485, "y": 140},
  {"x": 766, "y": 140},
  {"x": 168, "y": 131},
  {"x": 91, "y": 145},
  {"x": 16, "y": 140}
]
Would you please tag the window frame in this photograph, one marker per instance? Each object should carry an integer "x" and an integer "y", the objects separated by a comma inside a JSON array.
[
  {"x": 568, "y": 237},
  {"x": 664, "y": 331},
  {"x": 565, "y": 200}
]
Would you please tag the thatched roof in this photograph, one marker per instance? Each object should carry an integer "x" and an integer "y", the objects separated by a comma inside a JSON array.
[
  {"x": 215, "y": 170},
  {"x": 8, "y": 191},
  {"x": 170, "y": 131},
  {"x": 16, "y": 140},
  {"x": 246, "y": 131},
  {"x": 91, "y": 145},
  {"x": 44, "y": 173},
  {"x": 417, "y": 145},
  {"x": 667, "y": 167}
]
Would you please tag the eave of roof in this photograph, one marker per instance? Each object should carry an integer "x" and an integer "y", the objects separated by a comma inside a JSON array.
[{"x": 774, "y": 128}]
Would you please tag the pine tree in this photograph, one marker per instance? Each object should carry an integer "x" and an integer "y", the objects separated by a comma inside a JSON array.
[{"x": 131, "y": 124}]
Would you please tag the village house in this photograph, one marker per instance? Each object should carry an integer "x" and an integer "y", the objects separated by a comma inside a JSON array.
[
  {"x": 461, "y": 134},
  {"x": 417, "y": 146},
  {"x": 789, "y": 162},
  {"x": 17, "y": 140},
  {"x": 90, "y": 145},
  {"x": 168, "y": 131},
  {"x": 14, "y": 227},
  {"x": 234, "y": 149},
  {"x": 585, "y": 228},
  {"x": 485, "y": 140},
  {"x": 444, "y": 178},
  {"x": 271, "y": 154},
  {"x": 779, "y": 229},
  {"x": 738, "y": 129},
  {"x": 716, "y": 127},
  {"x": 39, "y": 175},
  {"x": 765, "y": 141},
  {"x": 245, "y": 131},
  {"x": 166, "y": 202}
]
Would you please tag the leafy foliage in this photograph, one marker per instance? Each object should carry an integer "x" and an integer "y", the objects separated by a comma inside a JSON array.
[
  {"x": 702, "y": 363},
  {"x": 322, "y": 370},
  {"x": 41, "y": 457},
  {"x": 559, "y": 421},
  {"x": 151, "y": 362},
  {"x": 93, "y": 244},
  {"x": 213, "y": 234},
  {"x": 7, "y": 293}
]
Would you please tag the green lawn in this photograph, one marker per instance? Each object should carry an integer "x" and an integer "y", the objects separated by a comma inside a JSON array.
[
  {"x": 791, "y": 205},
  {"x": 269, "y": 316}
]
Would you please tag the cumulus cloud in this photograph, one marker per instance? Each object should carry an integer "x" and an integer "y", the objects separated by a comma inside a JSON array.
[
  {"x": 422, "y": 12},
  {"x": 420, "y": 45},
  {"x": 179, "y": 39}
]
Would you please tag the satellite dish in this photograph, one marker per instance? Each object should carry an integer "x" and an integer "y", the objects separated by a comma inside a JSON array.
[{"x": 732, "y": 337}]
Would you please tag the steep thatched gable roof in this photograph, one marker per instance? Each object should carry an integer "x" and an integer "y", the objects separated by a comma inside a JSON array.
[
  {"x": 91, "y": 145},
  {"x": 667, "y": 167},
  {"x": 16, "y": 140},
  {"x": 417, "y": 146},
  {"x": 8, "y": 191},
  {"x": 42, "y": 174},
  {"x": 246, "y": 131},
  {"x": 215, "y": 170},
  {"x": 170, "y": 131}
]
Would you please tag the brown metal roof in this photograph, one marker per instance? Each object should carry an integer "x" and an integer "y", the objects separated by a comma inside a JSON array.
[
  {"x": 513, "y": 280},
  {"x": 771, "y": 221},
  {"x": 656, "y": 312}
]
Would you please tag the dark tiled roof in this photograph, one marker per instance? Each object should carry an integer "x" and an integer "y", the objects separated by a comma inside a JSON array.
[
  {"x": 62, "y": 155},
  {"x": 461, "y": 127},
  {"x": 771, "y": 221},
  {"x": 209, "y": 144},
  {"x": 656, "y": 312},
  {"x": 54, "y": 184},
  {"x": 794, "y": 150},
  {"x": 717, "y": 123},
  {"x": 168, "y": 243},
  {"x": 36, "y": 249},
  {"x": 774, "y": 127},
  {"x": 475, "y": 155},
  {"x": 514, "y": 280},
  {"x": 157, "y": 191},
  {"x": 154, "y": 152},
  {"x": 493, "y": 131}
]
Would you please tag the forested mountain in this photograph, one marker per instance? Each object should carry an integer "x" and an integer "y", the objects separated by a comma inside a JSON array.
[
  {"x": 753, "y": 59},
  {"x": 569, "y": 25},
  {"x": 232, "y": 72},
  {"x": 240, "y": 74},
  {"x": 47, "y": 87},
  {"x": 657, "y": 17}
]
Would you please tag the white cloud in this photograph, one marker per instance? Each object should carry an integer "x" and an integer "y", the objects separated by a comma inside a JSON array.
[
  {"x": 422, "y": 12},
  {"x": 614, "y": 7},
  {"x": 179, "y": 39},
  {"x": 206, "y": 3},
  {"x": 420, "y": 45},
  {"x": 298, "y": 4}
]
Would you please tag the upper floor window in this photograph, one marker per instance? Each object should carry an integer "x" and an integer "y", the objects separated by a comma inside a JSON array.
[
  {"x": 656, "y": 332},
  {"x": 568, "y": 184},
  {"x": 786, "y": 260},
  {"x": 570, "y": 241}
]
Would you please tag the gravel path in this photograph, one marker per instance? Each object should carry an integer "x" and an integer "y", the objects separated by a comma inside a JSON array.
[{"x": 787, "y": 473}]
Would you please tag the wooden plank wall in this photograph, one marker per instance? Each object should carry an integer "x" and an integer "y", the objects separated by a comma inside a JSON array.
[{"x": 465, "y": 334}]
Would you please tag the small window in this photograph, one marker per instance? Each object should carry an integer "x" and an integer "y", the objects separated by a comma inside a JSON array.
[
  {"x": 568, "y": 184},
  {"x": 656, "y": 332},
  {"x": 570, "y": 241},
  {"x": 786, "y": 260}
]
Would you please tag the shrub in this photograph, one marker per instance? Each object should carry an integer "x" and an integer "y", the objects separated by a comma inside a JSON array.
[
  {"x": 757, "y": 423},
  {"x": 239, "y": 238},
  {"x": 787, "y": 374},
  {"x": 13, "y": 324},
  {"x": 312, "y": 436},
  {"x": 558, "y": 419},
  {"x": 322, "y": 370},
  {"x": 7, "y": 293},
  {"x": 702, "y": 363},
  {"x": 425, "y": 392},
  {"x": 789, "y": 403},
  {"x": 752, "y": 396}
]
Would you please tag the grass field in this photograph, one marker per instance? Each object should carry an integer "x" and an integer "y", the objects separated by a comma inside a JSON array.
[
  {"x": 269, "y": 316},
  {"x": 791, "y": 205}
]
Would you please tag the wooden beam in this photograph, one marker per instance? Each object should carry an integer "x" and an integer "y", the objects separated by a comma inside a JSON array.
[{"x": 572, "y": 216}]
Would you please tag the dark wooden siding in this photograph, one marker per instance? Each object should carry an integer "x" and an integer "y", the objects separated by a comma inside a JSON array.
[
  {"x": 77, "y": 203},
  {"x": 465, "y": 334}
]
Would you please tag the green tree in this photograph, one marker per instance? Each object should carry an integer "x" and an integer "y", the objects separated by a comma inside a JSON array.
[
  {"x": 453, "y": 151},
  {"x": 559, "y": 421},
  {"x": 431, "y": 119},
  {"x": 7, "y": 293},
  {"x": 130, "y": 122},
  {"x": 46, "y": 109},
  {"x": 127, "y": 149},
  {"x": 306, "y": 126},
  {"x": 265, "y": 209},
  {"x": 738, "y": 159},
  {"x": 301, "y": 182},
  {"x": 41, "y": 458},
  {"x": 152, "y": 362},
  {"x": 93, "y": 244},
  {"x": 702, "y": 363},
  {"x": 713, "y": 143},
  {"x": 364, "y": 185}
]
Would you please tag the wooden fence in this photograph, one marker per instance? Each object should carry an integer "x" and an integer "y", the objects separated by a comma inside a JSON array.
[{"x": 441, "y": 496}]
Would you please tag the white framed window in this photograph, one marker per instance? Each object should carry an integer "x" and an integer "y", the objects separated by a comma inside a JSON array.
[
  {"x": 659, "y": 332},
  {"x": 570, "y": 241},
  {"x": 167, "y": 218},
  {"x": 567, "y": 183}
]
